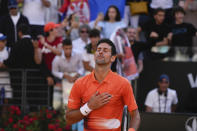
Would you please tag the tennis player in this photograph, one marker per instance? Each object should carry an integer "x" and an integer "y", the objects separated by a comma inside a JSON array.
[{"x": 99, "y": 97}]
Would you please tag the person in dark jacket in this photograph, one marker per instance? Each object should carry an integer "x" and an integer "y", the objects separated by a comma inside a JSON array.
[
  {"x": 9, "y": 23},
  {"x": 24, "y": 57},
  {"x": 22, "y": 54}
]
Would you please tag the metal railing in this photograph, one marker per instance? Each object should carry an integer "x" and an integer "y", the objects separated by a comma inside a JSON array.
[{"x": 29, "y": 89}]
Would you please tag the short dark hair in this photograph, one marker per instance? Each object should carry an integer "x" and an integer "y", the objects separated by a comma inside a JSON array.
[
  {"x": 118, "y": 18},
  {"x": 110, "y": 43},
  {"x": 66, "y": 42},
  {"x": 178, "y": 9},
  {"x": 156, "y": 11},
  {"x": 94, "y": 33},
  {"x": 24, "y": 29}
]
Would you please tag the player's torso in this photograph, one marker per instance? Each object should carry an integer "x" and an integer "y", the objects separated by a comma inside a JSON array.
[{"x": 109, "y": 116}]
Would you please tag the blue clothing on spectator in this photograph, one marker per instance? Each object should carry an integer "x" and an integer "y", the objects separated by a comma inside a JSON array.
[
  {"x": 78, "y": 126},
  {"x": 108, "y": 28}
]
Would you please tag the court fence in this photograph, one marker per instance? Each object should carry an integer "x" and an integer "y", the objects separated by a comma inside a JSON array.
[{"x": 25, "y": 88}]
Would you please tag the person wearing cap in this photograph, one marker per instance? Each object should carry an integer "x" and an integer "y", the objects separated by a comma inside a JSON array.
[
  {"x": 51, "y": 44},
  {"x": 10, "y": 23},
  {"x": 49, "y": 47},
  {"x": 162, "y": 99}
]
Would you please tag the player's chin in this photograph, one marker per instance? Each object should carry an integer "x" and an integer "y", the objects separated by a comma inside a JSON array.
[{"x": 100, "y": 62}]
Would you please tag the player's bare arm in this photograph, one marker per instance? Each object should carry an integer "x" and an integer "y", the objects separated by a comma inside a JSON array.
[{"x": 135, "y": 119}]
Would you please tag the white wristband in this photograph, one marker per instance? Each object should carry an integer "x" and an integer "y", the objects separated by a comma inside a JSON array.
[{"x": 85, "y": 110}]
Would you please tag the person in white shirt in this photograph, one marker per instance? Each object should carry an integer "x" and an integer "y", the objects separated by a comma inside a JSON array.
[
  {"x": 162, "y": 99},
  {"x": 51, "y": 14},
  {"x": 80, "y": 43},
  {"x": 35, "y": 11},
  {"x": 68, "y": 67}
]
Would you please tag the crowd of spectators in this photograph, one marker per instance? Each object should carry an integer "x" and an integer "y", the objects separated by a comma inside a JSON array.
[{"x": 36, "y": 35}]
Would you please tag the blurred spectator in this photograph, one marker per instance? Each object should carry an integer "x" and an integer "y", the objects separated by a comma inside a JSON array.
[
  {"x": 157, "y": 34},
  {"x": 73, "y": 26},
  {"x": 182, "y": 32},
  {"x": 112, "y": 21},
  {"x": 190, "y": 7},
  {"x": 88, "y": 56},
  {"x": 5, "y": 89},
  {"x": 51, "y": 44},
  {"x": 137, "y": 47},
  {"x": 67, "y": 67},
  {"x": 3, "y": 50},
  {"x": 22, "y": 55},
  {"x": 162, "y": 99},
  {"x": 51, "y": 14},
  {"x": 166, "y": 5},
  {"x": 126, "y": 64},
  {"x": 61, "y": 29},
  {"x": 80, "y": 43},
  {"x": 3, "y": 8},
  {"x": 34, "y": 10},
  {"x": 80, "y": 7},
  {"x": 10, "y": 23},
  {"x": 156, "y": 29}
]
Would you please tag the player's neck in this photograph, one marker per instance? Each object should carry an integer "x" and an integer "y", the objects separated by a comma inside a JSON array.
[{"x": 100, "y": 73}]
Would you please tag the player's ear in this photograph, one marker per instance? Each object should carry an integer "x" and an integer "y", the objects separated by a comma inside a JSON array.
[{"x": 113, "y": 58}]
